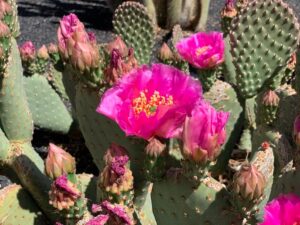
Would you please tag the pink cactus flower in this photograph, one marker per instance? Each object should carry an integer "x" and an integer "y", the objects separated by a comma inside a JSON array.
[
  {"x": 204, "y": 133},
  {"x": 203, "y": 50},
  {"x": 151, "y": 101},
  {"x": 27, "y": 51},
  {"x": 98, "y": 220},
  {"x": 284, "y": 210}
]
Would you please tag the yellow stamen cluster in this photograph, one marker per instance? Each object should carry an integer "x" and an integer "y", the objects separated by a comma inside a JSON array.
[
  {"x": 149, "y": 105},
  {"x": 202, "y": 50}
]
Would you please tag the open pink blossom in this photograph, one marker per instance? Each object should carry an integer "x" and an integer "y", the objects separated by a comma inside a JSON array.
[
  {"x": 202, "y": 50},
  {"x": 151, "y": 101},
  {"x": 204, "y": 133},
  {"x": 284, "y": 210}
]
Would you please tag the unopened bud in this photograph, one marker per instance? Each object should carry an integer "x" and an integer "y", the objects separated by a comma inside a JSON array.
[
  {"x": 4, "y": 30},
  {"x": 58, "y": 162},
  {"x": 43, "y": 53},
  {"x": 27, "y": 51},
  {"x": 52, "y": 48},
  {"x": 118, "y": 44},
  {"x": 249, "y": 183},
  {"x": 165, "y": 53},
  {"x": 270, "y": 98},
  {"x": 113, "y": 151},
  {"x": 229, "y": 10},
  {"x": 5, "y": 8},
  {"x": 155, "y": 147},
  {"x": 292, "y": 62}
]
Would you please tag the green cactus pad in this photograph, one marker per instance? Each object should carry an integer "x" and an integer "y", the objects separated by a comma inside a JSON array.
[
  {"x": 133, "y": 23},
  {"x": 17, "y": 207},
  {"x": 14, "y": 111},
  {"x": 263, "y": 37},
  {"x": 48, "y": 110},
  {"x": 176, "y": 201},
  {"x": 56, "y": 81}
]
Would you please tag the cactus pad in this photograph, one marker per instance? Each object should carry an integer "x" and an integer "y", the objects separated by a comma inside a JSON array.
[
  {"x": 263, "y": 37},
  {"x": 133, "y": 23}
]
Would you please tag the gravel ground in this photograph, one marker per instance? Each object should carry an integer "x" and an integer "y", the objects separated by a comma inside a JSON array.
[{"x": 39, "y": 18}]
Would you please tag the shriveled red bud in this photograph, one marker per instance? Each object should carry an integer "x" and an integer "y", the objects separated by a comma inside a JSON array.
[
  {"x": 43, "y": 53},
  {"x": 249, "y": 183},
  {"x": 113, "y": 151},
  {"x": 118, "y": 44},
  {"x": 292, "y": 62},
  {"x": 155, "y": 147},
  {"x": 58, "y": 162},
  {"x": 229, "y": 10},
  {"x": 165, "y": 53}
]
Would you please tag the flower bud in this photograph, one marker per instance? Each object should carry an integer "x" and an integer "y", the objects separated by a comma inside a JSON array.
[
  {"x": 52, "y": 48},
  {"x": 5, "y": 8},
  {"x": 114, "y": 151},
  {"x": 249, "y": 183},
  {"x": 270, "y": 98},
  {"x": 4, "y": 30},
  {"x": 118, "y": 214},
  {"x": 63, "y": 193},
  {"x": 27, "y": 51},
  {"x": 165, "y": 53},
  {"x": 155, "y": 147},
  {"x": 43, "y": 53},
  {"x": 118, "y": 44},
  {"x": 297, "y": 131},
  {"x": 58, "y": 162},
  {"x": 229, "y": 10},
  {"x": 292, "y": 62},
  {"x": 84, "y": 56},
  {"x": 92, "y": 38}
]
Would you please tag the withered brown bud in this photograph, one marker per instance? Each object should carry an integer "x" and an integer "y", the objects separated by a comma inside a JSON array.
[
  {"x": 249, "y": 183},
  {"x": 229, "y": 10},
  {"x": 52, "y": 48},
  {"x": 292, "y": 62},
  {"x": 119, "y": 45},
  {"x": 58, "y": 162}
]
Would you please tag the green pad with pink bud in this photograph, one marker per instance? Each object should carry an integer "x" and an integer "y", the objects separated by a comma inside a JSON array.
[
  {"x": 133, "y": 23},
  {"x": 263, "y": 37}
]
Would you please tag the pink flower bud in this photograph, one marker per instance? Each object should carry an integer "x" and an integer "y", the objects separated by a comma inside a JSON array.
[
  {"x": 92, "y": 37},
  {"x": 204, "y": 133},
  {"x": 155, "y": 147},
  {"x": 43, "y": 53},
  {"x": 270, "y": 98},
  {"x": 52, "y": 48},
  {"x": 229, "y": 9},
  {"x": 68, "y": 25},
  {"x": 118, "y": 215},
  {"x": 297, "y": 131},
  {"x": 165, "y": 53},
  {"x": 4, "y": 30},
  {"x": 27, "y": 51},
  {"x": 292, "y": 62},
  {"x": 118, "y": 44},
  {"x": 5, "y": 8},
  {"x": 84, "y": 56},
  {"x": 249, "y": 183},
  {"x": 58, "y": 162}
]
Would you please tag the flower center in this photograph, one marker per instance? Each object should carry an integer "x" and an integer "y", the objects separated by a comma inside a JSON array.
[
  {"x": 201, "y": 50},
  {"x": 149, "y": 105}
]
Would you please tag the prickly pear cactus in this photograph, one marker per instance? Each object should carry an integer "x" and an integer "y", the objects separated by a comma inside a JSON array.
[
  {"x": 260, "y": 45},
  {"x": 133, "y": 23}
]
